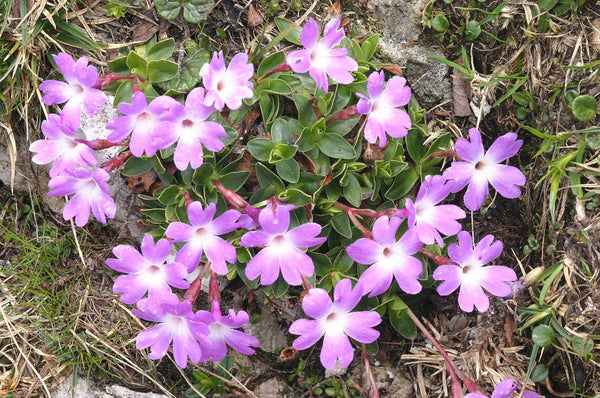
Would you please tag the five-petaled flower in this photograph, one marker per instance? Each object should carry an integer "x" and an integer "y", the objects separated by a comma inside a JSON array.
[
  {"x": 381, "y": 106},
  {"x": 390, "y": 258},
  {"x": 227, "y": 85},
  {"x": 77, "y": 92},
  {"x": 147, "y": 271},
  {"x": 470, "y": 274},
  {"x": 223, "y": 333},
  {"x": 202, "y": 237},
  {"x": 478, "y": 168},
  {"x": 505, "y": 389},
  {"x": 91, "y": 193},
  {"x": 281, "y": 247},
  {"x": 319, "y": 58},
  {"x": 427, "y": 218},
  {"x": 335, "y": 321}
]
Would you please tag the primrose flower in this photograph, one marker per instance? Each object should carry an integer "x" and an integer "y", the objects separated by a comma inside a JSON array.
[
  {"x": 91, "y": 193},
  {"x": 143, "y": 122},
  {"x": 191, "y": 129},
  {"x": 319, "y": 58},
  {"x": 428, "y": 218},
  {"x": 471, "y": 275},
  {"x": 147, "y": 272},
  {"x": 390, "y": 258},
  {"x": 202, "y": 237},
  {"x": 336, "y": 322},
  {"x": 505, "y": 389},
  {"x": 77, "y": 92},
  {"x": 281, "y": 247},
  {"x": 177, "y": 324},
  {"x": 478, "y": 168},
  {"x": 61, "y": 146},
  {"x": 227, "y": 85},
  {"x": 223, "y": 333},
  {"x": 381, "y": 106}
]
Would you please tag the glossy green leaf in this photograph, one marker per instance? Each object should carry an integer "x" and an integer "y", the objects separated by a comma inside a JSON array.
[
  {"x": 281, "y": 133},
  {"x": 260, "y": 148},
  {"x": 137, "y": 64},
  {"x": 124, "y": 93},
  {"x": 188, "y": 75},
  {"x": 234, "y": 181},
  {"x": 195, "y": 11},
  {"x": 341, "y": 223},
  {"x": 285, "y": 25},
  {"x": 137, "y": 166},
  {"x": 582, "y": 346},
  {"x": 267, "y": 177},
  {"x": 281, "y": 152},
  {"x": 119, "y": 66},
  {"x": 584, "y": 107},
  {"x": 288, "y": 170},
  {"x": 161, "y": 70},
  {"x": 539, "y": 373},
  {"x": 415, "y": 145},
  {"x": 269, "y": 63},
  {"x": 295, "y": 197},
  {"x": 168, "y": 196},
  {"x": 336, "y": 147},
  {"x": 161, "y": 50},
  {"x": 400, "y": 319},
  {"x": 352, "y": 191},
  {"x": 440, "y": 23},
  {"x": 472, "y": 30},
  {"x": 543, "y": 335},
  {"x": 403, "y": 183}
]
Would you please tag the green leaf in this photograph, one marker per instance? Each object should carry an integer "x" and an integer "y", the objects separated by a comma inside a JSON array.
[
  {"x": 195, "y": 11},
  {"x": 440, "y": 23},
  {"x": 288, "y": 170},
  {"x": 260, "y": 148},
  {"x": 119, "y": 66},
  {"x": 543, "y": 335},
  {"x": 369, "y": 46},
  {"x": 168, "y": 9},
  {"x": 336, "y": 147},
  {"x": 539, "y": 373},
  {"x": 472, "y": 30},
  {"x": 281, "y": 133},
  {"x": 267, "y": 177},
  {"x": 137, "y": 166},
  {"x": 269, "y": 63},
  {"x": 234, "y": 181},
  {"x": 281, "y": 152},
  {"x": 400, "y": 320},
  {"x": 582, "y": 346},
  {"x": 403, "y": 183},
  {"x": 274, "y": 86},
  {"x": 585, "y": 107},
  {"x": 161, "y": 70},
  {"x": 295, "y": 197},
  {"x": 137, "y": 64},
  {"x": 415, "y": 145},
  {"x": 188, "y": 75},
  {"x": 352, "y": 191},
  {"x": 546, "y": 5},
  {"x": 168, "y": 196},
  {"x": 161, "y": 50},
  {"x": 341, "y": 223},
  {"x": 124, "y": 93},
  {"x": 284, "y": 25},
  {"x": 156, "y": 215}
]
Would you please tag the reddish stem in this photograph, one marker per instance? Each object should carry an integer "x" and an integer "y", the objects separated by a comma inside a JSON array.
[
  {"x": 284, "y": 67},
  {"x": 106, "y": 80},
  {"x": 188, "y": 199},
  {"x": 347, "y": 113},
  {"x": 194, "y": 290},
  {"x": 306, "y": 282},
  {"x": 101, "y": 143},
  {"x": 214, "y": 292},
  {"x": 438, "y": 259},
  {"x": 446, "y": 153},
  {"x": 369, "y": 373},
  {"x": 233, "y": 198},
  {"x": 112, "y": 164}
]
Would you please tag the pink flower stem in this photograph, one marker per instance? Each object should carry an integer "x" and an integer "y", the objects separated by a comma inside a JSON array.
[
  {"x": 188, "y": 199},
  {"x": 306, "y": 282},
  {"x": 344, "y": 114},
  {"x": 109, "y": 78},
  {"x": 101, "y": 143},
  {"x": 238, "y": 202},
  {"x": 367, "y": 212},
  {"x": 112, "y": 164},
  {"x": 369, "y": 373},
  {"x": 284, "y": 67},
  {"x": 438, "y": 259},
  {"x": 447, "y": 153},
  {"x": 194, "y": 290},
  {"x": 455, "y": 372},
  {"x": 214, "y": 292}
]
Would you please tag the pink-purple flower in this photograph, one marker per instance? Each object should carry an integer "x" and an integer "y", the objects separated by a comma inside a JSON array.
[
  {"x": 479, "y": 168},
  {"x": 472, "y": 275},
  {"x": 227, "y": 85},
  {"x": 335, "y": 321},
  {"x": 61, "y": 147},
  {"x": 282, "y": 248},
  {"x": 223, "y": 333},
  {"x": 381, "y": 105},
  {"x": 190, "y": 127},
  {"x": 202, "y": 236},
  {"x": 147, "y": 272},
  {"x": 389, "y": 258},
  {"x": 90, "y": 194},
  {"x": 143, "y": 122},
  {"x": 427, "y": 218},
  {"x": 319, "y": 57},
  {"x": 177, "y": 324},
  {"x": 505, "y": 389},
  {"x": 77, "y": 91}
]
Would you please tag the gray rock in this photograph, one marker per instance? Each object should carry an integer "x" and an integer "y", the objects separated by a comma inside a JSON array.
[
  {"x": 84, "y": 389},
  {"x": 398, "y": 22},
  {"x": 274, "y": 388}
]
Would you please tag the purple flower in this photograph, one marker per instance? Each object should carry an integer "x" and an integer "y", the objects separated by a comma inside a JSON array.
[
  {"x": 281, "y": 247},
  {"x": 471, "y": 275},
  {"x": 202, "y": 237},
  {"x": 382, "y": 107},
  {"x": 62, "y": 147},
  {"x": 319, "y": 58},
  {"x": 143, "y": 122},
  {"x": 227, "y": 85},
  {"x": 223, "y": 333},
  {"x": 178, "y": 324},
  {"x": 90, "y": 194},
  {"x": 335, "y": 321},
  {"x": 147, "y": 272},
  {"x": 389, "y": 258},
  {"x": 479, "y": 168},
  {"x": 428, "y": 218},
  {"x": 505, "y": 389},
  {"x": 77, "y": 92},
  {"x": 190, "y": 127}
]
